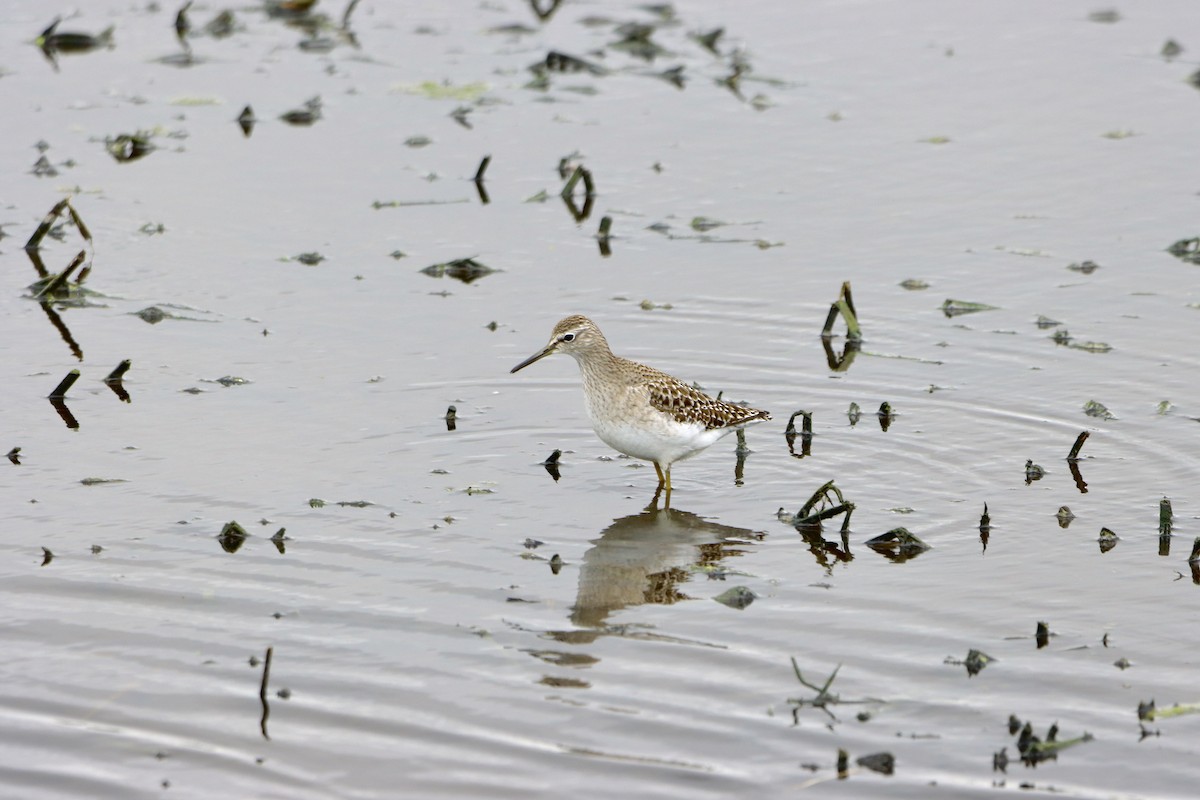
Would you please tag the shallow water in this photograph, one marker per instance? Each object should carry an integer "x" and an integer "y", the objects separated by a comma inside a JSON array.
[{"x": 424, "y": 648}]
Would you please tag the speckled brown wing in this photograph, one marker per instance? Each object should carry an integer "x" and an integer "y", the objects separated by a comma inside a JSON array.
[{"x": 686, "y": 404}]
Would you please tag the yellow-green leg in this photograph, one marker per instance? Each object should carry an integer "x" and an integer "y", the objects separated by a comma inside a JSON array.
[{"x": 664, "y": 482}]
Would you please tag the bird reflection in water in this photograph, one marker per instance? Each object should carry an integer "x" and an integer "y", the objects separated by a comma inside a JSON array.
[{"x": 646, "y": 558}]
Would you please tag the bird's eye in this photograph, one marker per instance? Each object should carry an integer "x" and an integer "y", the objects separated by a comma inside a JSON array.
[{"x": 568, "y": 337}]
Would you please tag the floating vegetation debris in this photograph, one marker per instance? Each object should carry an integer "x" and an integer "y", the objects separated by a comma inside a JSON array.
[
  {"x": 52, "y": 42},
  {"x": 1170, "y": 49},
  {"x": 306, "y": 115},
  {"x": 1042, "y": 635},
  {"x": 564, "y": 63},
  {"x": 822, "y": 697},
  {"x": 47, "y": 556},
  {"x": 1148, "y": 712},
  {"x": 463, "y": 93},
  {"x": 551, "y": 465},
  {"x": 884, "y": 763},
  {"x": 100, "y": 481},
  {"x": 886, "y": 415},
  {"x": 1045, "y": 322},
  {"x": 898, "y": 544},
  {"x": 231, "y": 380},
  {"x": 1188, "y": 249},
  {"x": 826, "y": 502},
  {"x": 232, "y": 537},
  {"x": 854, "y": 414},
  {"x": 913, "y": 284},
  {"x": 1098, "y": 410},
  {"x": 1086, "y": 267},
  {"x": 451, "y": 418},
  {"x": 14, "y": 456},
  {"x": 1032, "y": 749},
  {"x": 462, "y": 269},
  {"x": 126, "y": 147},
  {"x": 310, "y": 259},
  {"x": 738, "y": 597},
  {"x": 1108, "y": 540},
  {"x": 709, "y": 40},
  {"x": 1033, "y": 472},
  {"x": 246, "y": 121},
  {"x": 954, "y": 308},
  {"x": 975, "y": 661},
  {"x": 1091, "y": 347},
  {"x": 1065, "y": 516},
  {"x": 650, "y": 305}
]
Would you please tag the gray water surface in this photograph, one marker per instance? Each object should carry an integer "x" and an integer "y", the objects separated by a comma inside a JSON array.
[{"x": 422, "y": 649}]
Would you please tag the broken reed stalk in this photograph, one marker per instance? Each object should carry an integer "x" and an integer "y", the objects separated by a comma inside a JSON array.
[
  {"x": 64, "y": 385},
  {"x": 805, "y": 424},
  {"x": 605, "y": 227},
  {"x": 118, "y": 374},
  {"x": 483, "y": 165},
  {"x": 35, "y": 240},
  {"x": 844, "y": 305},
  {"x": 1079, "y": 440},
  {"x": 56, "y": 282},
  {"x": 1164, "y": 517},
  {"x": 1195, "y": 556},
  {"x": 580, "y": 173},
  {"x": 817, "y": 496}
]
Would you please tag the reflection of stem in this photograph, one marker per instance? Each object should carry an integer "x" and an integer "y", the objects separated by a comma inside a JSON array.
[
  {"x": 262, "y": 692},
  {"x": 1080, "y": 484},
  {"x": 61, "y": 326},
  {"x": 65, "y": 413}
]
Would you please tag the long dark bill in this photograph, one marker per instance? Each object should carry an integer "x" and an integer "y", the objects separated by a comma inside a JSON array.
[{"x": 531, "y": 359}]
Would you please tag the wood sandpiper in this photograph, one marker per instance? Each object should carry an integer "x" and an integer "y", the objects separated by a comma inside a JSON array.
[{"x": 638, "y": 410}]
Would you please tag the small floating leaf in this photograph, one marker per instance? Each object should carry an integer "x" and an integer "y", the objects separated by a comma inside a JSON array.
[
  {"x": 463, "y": 269},
  {"x": 913, "y": 284},
  {"x": 883, "y": 763},
  {"x": 1091, "y": 347},
  {"x": 737, "y": 597},
  {"x": 898, "y": 539},
  {"x": 953, "y": 308},
  {"x": 1097, "y": 410},
  {"x": 1187, "y": 249}
]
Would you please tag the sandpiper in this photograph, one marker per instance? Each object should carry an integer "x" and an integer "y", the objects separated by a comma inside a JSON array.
[{"x": 638, "y": 410}]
